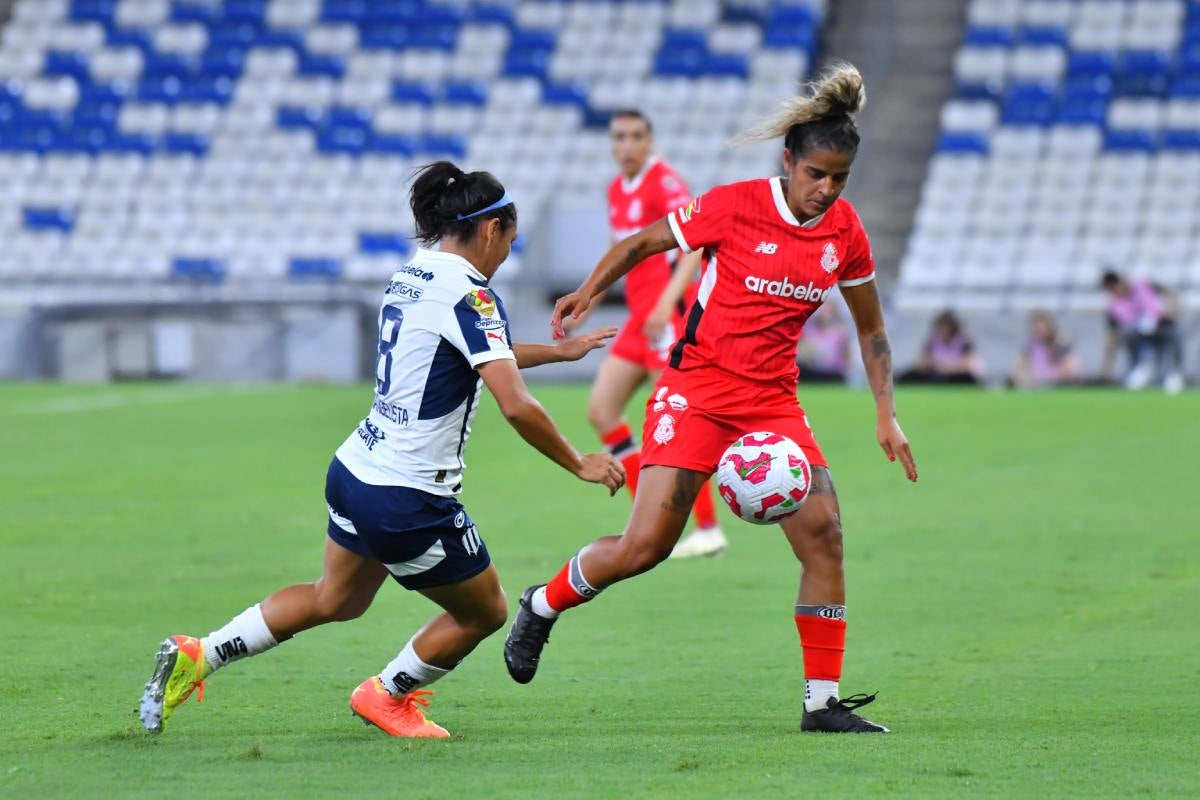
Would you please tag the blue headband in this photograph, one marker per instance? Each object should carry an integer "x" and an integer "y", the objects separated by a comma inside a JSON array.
[{"x": 501, "y": 203}]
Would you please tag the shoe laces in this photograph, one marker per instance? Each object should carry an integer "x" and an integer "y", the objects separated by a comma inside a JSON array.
[
  {"x": 856, "y": 701},
  {"x": 412, "y": 703}
]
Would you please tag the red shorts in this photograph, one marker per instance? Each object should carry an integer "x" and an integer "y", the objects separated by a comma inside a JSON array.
[
  {"x": 632, "y": 345},
  {"x": 692, "y": 416}
]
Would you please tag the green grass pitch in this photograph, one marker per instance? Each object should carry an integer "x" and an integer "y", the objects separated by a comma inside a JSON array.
[{"x": 1030, "y": 612}]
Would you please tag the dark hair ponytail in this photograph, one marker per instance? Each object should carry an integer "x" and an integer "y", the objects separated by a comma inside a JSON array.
[{"x": 441, "y": 193}]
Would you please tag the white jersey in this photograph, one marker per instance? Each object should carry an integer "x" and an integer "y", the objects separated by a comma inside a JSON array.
[{"x": 438, "y": 323}]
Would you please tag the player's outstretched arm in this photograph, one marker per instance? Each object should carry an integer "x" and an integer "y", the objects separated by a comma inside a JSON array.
[
  {"x": 621, "y": 257},
  {"x": 863, "y": 301},
  {"x": 535, "y": 426},
  {"x": 572, "y": 349}
]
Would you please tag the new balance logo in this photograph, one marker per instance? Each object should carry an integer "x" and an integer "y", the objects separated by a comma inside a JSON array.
[
  {"x": 766, "y": 247},
  {"x": 785, "y": 288},
  {"x": 231, "y": 649}
]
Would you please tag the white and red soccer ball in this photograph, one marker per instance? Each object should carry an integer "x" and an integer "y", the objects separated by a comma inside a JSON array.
[{"x": 764, "y": 477}]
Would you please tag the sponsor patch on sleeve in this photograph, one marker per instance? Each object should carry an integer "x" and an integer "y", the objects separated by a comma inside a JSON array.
[
  {"x": 482, "y": 301},
  {"x": 685, "y": 213}
]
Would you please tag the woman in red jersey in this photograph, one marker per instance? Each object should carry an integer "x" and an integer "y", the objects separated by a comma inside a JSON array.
[{"x": 775, "y": 250}]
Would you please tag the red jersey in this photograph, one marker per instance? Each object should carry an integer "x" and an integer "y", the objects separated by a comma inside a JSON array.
[
  {"x": 632, "y": 205},
  {"x": 766, "y": 274}
]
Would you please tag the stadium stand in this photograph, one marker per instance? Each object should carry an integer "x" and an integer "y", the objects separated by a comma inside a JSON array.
[
  {"x": 1072, "y": 143},
  {"x": 210, "y": 141}
]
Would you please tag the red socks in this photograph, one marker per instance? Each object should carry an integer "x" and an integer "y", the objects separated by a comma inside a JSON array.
[
  {"x": 823, "y": 636},
  {"x": 623, "y": 447},
  {"x": 569, "y": 588},
  {"x": 704, "y": 511}
]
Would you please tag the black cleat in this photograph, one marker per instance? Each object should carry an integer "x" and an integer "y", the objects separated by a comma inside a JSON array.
[
  {"x": 526, "y": 638},
  {"x": 838, "y": 717}
]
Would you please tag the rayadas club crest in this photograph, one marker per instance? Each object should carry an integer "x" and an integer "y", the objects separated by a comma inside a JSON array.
[
  {"x": 483, "y": 301},
  {"x": 829, "y": 257}
]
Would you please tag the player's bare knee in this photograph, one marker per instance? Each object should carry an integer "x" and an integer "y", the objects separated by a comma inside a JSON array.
[
  {"x": 642, "y": 557},
  {"x": 496, "y": 614},
  {"x": 601, "y": 418}
]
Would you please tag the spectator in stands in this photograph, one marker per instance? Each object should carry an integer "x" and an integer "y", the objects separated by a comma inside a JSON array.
[
  {"x": 1047, "y": 359},
  {"x": 1143, "y": 318},
  {"x": 824, "y": 352},
  {"x": 948, "y": 355}
]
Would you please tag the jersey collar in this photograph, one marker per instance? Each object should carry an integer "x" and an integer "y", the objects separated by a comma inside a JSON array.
[
  {"x": 630, "y": 185},
  {"x": 784, "y": 211},
  {"x": 451, "y": 258}
]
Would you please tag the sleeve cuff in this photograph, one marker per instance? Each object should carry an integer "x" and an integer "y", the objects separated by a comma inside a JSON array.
[
  {"x": 479, "y": 359},
  {"x": 857, "y": 281},
  {"x": 675, "y": 229}
]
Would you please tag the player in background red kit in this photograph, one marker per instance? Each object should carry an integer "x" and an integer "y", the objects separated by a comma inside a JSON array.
[
  {"x": 647, "y": 189},
  {"x": 775, "y": 250}
]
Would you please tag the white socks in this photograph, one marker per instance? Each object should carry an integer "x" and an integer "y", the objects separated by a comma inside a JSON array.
[
  {"x": 245, "y": 635},
  {"x": 540, "y": 605},
  {"x": 408, "y": 672},
  {"x": 817, "y": 694}
]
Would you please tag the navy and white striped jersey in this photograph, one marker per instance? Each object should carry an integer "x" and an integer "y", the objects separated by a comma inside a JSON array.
[{"x": 438, "y": 323}]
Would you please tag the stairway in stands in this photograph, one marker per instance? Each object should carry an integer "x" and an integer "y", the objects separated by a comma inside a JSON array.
[{"x": 905, "y": 51}]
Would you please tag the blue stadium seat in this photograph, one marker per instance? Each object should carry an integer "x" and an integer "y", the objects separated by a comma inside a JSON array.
[
  {"x": 558, "y": 95},
  {"x": 329, "y": 268},
  {"x": 442, "y": 146},
  {"x": 1044, "y": 36},
  {"x": 412, "y": 93},
  {"x": 1143, "y": 72},
  {"x": 344, "y": 10},
  {"x": 191, "y": 11},
  {"x": 71, "y": 65},
  {"x": 375, "y": 243},
  {"x": 198, "y": 269},
  {"x": 472, "y": 94},
  {"x": 392, "y": 144},
  {"x": 985, "y": 37},
  {"x": 1083, "y": 109},
  {"x": 1181, "y": 140},
  {"x": 1186, "y": 85},
  {"x": 189, "y": 143},
  {"x": 1028, "y": 104},
  {"x": 1130, "y": 141},
  {"x": 798, "y": 37},
  {"x": 45, "y": 219},
  {"x": 327, "y": 65},
  {"x": 962, "y": 143}
]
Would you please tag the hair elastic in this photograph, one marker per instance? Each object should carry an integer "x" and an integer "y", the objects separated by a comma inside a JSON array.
[{"x": 503, "y": 201}]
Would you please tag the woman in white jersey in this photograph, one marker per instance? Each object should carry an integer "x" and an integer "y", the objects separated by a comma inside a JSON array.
[{"x": 392, "y": 487}]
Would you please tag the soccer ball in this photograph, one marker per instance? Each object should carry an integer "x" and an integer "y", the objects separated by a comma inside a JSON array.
[{"x": 764, "y": 477}]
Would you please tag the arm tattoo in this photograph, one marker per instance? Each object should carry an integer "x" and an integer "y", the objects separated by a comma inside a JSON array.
[
  {"x": 614, "y": 273},
  {"x": 822, "y": 482},
  {"x": 881, "y": 354},
  {"x": 683, "y": 493}
]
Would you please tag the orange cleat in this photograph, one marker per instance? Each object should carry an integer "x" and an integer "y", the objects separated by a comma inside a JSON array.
[{"x": 395, "y": 716}]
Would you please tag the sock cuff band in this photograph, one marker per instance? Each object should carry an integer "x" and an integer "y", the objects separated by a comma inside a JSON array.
[
  {"x": 578, "y": 582},
  {"x": 822, "y": 611}
]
